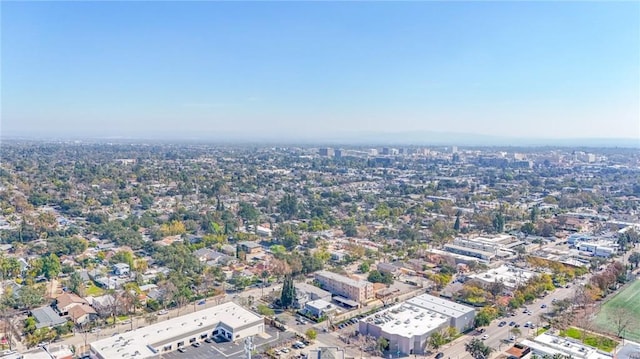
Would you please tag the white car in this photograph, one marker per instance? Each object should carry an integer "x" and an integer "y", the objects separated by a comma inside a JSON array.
[
  {"x": 485, "y": 337},
  {"x": 163, "y": 312}
]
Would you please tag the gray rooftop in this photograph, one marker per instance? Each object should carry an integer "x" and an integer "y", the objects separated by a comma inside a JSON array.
[
  {"x": 440, "y": 305},
  {"x": 342, "y": 279},
  {"x": 47, "y": 317},
  {"x": 308, "y": 288}
]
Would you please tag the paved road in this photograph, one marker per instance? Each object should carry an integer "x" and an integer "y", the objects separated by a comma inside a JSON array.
[{"x": 497, "y": 335}]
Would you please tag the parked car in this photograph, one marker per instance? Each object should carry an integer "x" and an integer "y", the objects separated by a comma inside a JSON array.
[
  {"x": 182, "y": 349},
  {"x": 485, "y": 337},
  {"x": 439, "y": 355},
  {"x": 195, "y": 345},
  {"x": 208, "y": 340},
  {"x": 163, "y": 312}
]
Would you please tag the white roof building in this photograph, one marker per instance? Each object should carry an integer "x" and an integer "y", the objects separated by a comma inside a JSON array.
[
  {"x": 512, "y": 277},
  {"x": 407, "y": 326},
  {"x": 228, "y": 320},
  {"x": 547, "y": 344}
]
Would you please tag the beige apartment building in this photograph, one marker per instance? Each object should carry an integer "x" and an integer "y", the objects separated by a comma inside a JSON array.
[{"x": 356, "y": 290}]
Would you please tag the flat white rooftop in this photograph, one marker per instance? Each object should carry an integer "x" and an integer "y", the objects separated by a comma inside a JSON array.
[
  {"x": 551, "y": 344},
  {"x": 407, "y": 320},
  {"x": 440, "y": 305},
  {"x": 460, "y": 257},
  {"x": 139, "y": 343},
  {"x": 510, "y": 276},
  {"x": 342, "y": 279},
  {"x": 498, "y": 239}
]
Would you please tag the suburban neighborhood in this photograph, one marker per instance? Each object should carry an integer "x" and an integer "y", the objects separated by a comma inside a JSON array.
[{"x": 154, "y": 250}]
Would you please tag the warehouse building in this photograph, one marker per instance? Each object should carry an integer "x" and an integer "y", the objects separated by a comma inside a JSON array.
[
  {"x": 407, "y": 326},
  {"x": 228, "y": 321}
]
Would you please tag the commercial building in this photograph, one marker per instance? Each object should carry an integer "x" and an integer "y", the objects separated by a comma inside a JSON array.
[
  {"x": 602, "y": 248},
  {"x": 326, "y": 152},
  {"x": 547, "y": 344},
  {"x": 407, "y": 326},
  {"x": 595, "y": 246},
  {"x": 227, "y": 321},
  {"x": 357, "y": 290},
  {"x": 457, "y": 248},
  {"x": 485, "y": 248},
  {"x": 510, "y": 276}
]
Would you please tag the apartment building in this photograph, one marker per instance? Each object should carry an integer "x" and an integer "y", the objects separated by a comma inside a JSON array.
[{"x": 357, "y": 290}]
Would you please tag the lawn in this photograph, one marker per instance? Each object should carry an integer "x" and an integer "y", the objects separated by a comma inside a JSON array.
[
  {"x": 591, "y": 339},
  {"x": 94, "y": 290},
  {"x": 627, "y": 299}
]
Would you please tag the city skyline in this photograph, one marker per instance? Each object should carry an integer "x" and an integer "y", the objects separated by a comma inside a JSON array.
[{"x": 320, "y": 70}]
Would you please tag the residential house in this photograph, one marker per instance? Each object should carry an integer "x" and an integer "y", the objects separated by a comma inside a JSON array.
[
  {"x": 121, "y": 269},
  {"x": 250, "y": 247},
  {"x": 212, "y": 258},
  {"x": 66, "y": 301},
  {"x": 46, "y": 317},
  {"x": 83, "y": 313},
  {"x": 389, "y": 268}
]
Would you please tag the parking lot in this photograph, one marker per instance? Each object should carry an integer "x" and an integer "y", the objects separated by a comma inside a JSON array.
[{"x": 230, "y": 350}]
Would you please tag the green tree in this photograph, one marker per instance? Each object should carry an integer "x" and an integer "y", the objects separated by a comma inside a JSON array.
[
  {"x": 376, "y": 276},
  {"x": 31, "y": 296},
  {"x": 76, "y": 284},
  {"x": 288, "y": 206},
  {"x": 311, "y": 334},
  {"x": 248, "y": 212},
  {"x": 382, "y": 344},
  {"x": 485, "y": 316},
  {"x": 364, "y": 267},
  {"x": 498, "y": 222},
  {"x": 477, "y": 349},
  {"x": 635, "y": 259},
  {"x": 533, "y": 215},
  {"x": 528, "y": 228},
  {"x": 288, "y": 295},
  {"x": 30, "y": 325},
  {"x": 456, "y": 225},
  {"x": 51, "y": 266},
  {"x": 436, "y": 340}
]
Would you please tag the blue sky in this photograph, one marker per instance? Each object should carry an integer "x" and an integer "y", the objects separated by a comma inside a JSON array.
[{"x": 541, "y": 69}]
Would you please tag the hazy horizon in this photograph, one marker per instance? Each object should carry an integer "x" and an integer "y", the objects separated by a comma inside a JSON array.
[{"x": 318, "y": 70}]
